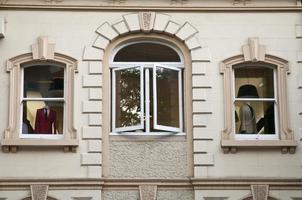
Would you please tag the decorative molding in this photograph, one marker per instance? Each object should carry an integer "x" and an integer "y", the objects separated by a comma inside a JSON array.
[
  {"x": 243, "y": 183},
  {"x": 146, "y": 20},
  {"x": 253, "y": 51},
  {"x": 169, "y": 5},
  {"x": 43, "y": 50},
  {"x": 286, "y": 137},
  {"x": 147, "y": 192},
  {"x": 259, "y": 192},
  {"x": 39, "y": 192}
]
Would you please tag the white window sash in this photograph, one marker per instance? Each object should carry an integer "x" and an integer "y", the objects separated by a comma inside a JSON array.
[
  {"x": 45, "y": 99},
  {"x": 129, "y": 128},
  {"x": 155, "y": 122},
  {"x": 258, "y": 136}
]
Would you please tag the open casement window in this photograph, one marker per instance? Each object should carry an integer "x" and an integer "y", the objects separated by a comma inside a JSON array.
[
  {"x": 168, "y": 99},
  {"x": 256, "y": 104},
  {"x": 127, "y": 104},
  {"x": 41, "y": 103},
  {"x": 147, "y": 90}
]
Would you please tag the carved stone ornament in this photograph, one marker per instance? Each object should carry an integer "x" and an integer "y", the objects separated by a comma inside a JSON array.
[
  {"x": 259, "y": 192},
  {"x": 39, "y": 192},
  {"x": 147, "y": 192},
  {"x": 146, "y": 20},
  {"x": 253, "y": 51},
  {"x": 43, "y": 50}
]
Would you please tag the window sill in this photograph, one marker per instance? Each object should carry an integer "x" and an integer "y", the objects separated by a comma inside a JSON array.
[
  {"x": 233, "y": 145},
  {"x": 11, "y": 145},
  {"x": 142, "y": 136}
]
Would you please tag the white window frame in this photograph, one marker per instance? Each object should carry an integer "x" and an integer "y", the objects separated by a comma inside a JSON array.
[
  {"x": 145, "y": 85},
  {"x": 23, "y": 100},
  {"x": 257, "y": 136},
  {"x": 179, "y": 66},
  {"x": 156, "y": 125},
  {"x": 130, "y": 128}
]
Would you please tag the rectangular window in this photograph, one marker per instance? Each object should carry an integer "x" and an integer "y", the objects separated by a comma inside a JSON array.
[
  {"x": 42, "y": 102},
  {"x": 255, "y": 102}
]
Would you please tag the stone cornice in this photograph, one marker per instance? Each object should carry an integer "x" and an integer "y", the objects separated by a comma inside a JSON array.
[
  {"x": 167, "y": 5},
  {"x": 189, "y": 183}
]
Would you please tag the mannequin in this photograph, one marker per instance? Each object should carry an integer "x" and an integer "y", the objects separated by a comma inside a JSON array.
[
  {"x": 45, "y": 121},
  {"x": 246, "y": 112}
]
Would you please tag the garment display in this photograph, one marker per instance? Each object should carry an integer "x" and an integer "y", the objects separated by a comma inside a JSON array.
[
  {"x": 246, "y": 112},
  {"x": 248, "y": 120},
  {"x": 45, "y": 121}
]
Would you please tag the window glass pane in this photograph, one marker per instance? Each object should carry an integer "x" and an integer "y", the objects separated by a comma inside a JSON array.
[
  {"x": 255, "y": 117},
  {"x": 43, "y": 81},
  {"x": 254, "y": 82},
  {"x": 42, "y": 117},
  {"x": 128, "y": 94},
  {"x": 146, "y": 52},
  {"x": 167, "y": 84}
]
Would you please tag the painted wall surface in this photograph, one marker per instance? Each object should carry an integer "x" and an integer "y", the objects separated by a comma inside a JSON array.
[{"x": 222, "y": 32}]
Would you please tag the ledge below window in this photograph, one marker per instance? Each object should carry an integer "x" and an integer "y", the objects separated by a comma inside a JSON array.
[
  {"x": 11, "y": 145},
  {"x": 286, "y": 146}
]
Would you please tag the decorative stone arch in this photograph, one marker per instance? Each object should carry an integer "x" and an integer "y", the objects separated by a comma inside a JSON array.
[
  {"x": 146, "y": 22},
  {"x": 141, "y": 23}
]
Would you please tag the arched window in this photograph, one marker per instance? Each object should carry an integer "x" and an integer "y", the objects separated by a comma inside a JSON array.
[
  {"x": 41, "y": 100},
  {"x": 147, "y": 89},
  {"x": 256, "y": 101}
]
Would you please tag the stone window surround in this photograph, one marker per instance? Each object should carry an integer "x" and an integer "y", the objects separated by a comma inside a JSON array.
[
  {"x": 253, "y": 52},
  {"x": 43, "y": 51},
  {"x": 187, "y": 88}
]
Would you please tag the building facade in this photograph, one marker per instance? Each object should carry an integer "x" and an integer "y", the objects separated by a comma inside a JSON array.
[{"x": 177, "y": 99}]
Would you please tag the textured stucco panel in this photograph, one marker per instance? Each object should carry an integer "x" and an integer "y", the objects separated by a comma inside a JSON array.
[
  {"x": 120, "y": 195},
  {"x": 147, "y": 159},
  {"x": 161, "y": 195},
  {"x": 175, "y": 194}
]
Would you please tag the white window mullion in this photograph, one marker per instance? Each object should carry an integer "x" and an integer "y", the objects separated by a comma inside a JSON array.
[
  {"x": 180, "y": 100},
  {"x": 113, "y": 100},
  {"x": 154, "y": 97},
  {"x": 147, "y": 99}
]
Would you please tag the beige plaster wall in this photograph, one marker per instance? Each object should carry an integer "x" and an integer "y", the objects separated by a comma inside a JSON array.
[{"x": 223, "y": 33}]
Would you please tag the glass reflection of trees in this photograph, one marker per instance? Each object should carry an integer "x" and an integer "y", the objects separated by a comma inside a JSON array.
[{"x": 128, "y": 97}]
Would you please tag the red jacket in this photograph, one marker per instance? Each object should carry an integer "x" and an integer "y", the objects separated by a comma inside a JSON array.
[{"x": 44, "y": 124}]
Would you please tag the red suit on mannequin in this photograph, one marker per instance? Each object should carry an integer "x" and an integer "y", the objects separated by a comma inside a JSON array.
[{"x": 45, "y": 118}]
